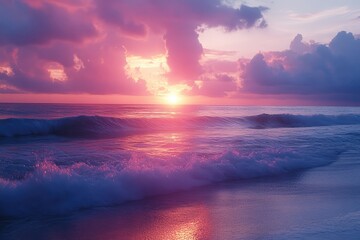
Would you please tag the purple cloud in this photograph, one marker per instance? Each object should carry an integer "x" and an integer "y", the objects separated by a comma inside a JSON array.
[
  {"x": 179, "y": 21},
  {"x": 218, "y": 85},
  {"x": 78, "y": 46},
  {"x": 22, "y": 24},
  {"x": 328, "y": 72}
]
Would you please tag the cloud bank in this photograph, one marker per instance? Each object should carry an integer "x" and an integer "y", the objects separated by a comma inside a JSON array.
[
  {"x": 81, "y": 46},
  {"x": 322, "y": 71}
]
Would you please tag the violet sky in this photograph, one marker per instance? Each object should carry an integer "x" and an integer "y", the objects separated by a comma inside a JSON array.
[{"x": 208, "y": 51}]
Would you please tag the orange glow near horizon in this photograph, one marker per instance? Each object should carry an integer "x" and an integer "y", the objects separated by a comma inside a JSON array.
[
  {"x": 247, "y": 100},
  {"x": 153, "y": 70},
  {"x": 173, "y": 99}
]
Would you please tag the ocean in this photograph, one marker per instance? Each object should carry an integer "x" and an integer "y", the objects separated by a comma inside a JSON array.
[{"x": 136, "y": 171}]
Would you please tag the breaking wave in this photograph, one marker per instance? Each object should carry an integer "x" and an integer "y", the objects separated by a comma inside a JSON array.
[
  {"x": 98, "y": 126},
  {"x": 52, "y": 189}
]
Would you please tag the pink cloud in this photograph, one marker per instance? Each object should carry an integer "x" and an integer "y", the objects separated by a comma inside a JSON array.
[
  {"x": 41, "y": 41},
  {"x": 100, "y": 71},
  {"x": 184, "y": 53},
  {"x": 179, "y": 21},
  {"x": 307, "y": 73},
  {"x": 220, "y": 78},
  {"x": 218, "y": 85}
]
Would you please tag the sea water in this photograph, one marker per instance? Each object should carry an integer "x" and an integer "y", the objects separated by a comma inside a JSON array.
[{"x": 60, "y": 158}]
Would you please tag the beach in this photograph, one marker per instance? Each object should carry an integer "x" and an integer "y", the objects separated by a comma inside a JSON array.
[{"x": 322, "y": 203}]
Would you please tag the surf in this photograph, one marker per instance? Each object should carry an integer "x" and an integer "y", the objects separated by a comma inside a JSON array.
[{"x": 99, "y": 126}]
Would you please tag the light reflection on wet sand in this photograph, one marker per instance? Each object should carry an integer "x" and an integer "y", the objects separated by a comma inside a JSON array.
[{"x": 139, "y": 220}]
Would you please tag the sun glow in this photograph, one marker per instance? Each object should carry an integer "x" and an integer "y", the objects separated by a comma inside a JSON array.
[{"x": 173, "y": 99}]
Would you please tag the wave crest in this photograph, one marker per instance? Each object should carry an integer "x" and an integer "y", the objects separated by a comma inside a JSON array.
[
  {"x": 98, "y": 126},
  {"x": 52, "y": 189}
]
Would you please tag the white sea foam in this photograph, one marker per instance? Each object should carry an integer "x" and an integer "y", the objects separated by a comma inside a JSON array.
[{"x": 52, "y": 189}]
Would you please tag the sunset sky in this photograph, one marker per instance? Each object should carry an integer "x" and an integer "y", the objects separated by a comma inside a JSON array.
[{"x": 251, "y": 52}]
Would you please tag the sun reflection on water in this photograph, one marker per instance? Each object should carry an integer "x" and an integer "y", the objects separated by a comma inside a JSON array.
[
  {"x": 154, "y": 222},
  {"x": 185, "y": 223},
  {"x": 159, "y": 144}
]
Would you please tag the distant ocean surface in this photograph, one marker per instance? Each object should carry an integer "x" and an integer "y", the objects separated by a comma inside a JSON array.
[{"x": 60, "y": 158}]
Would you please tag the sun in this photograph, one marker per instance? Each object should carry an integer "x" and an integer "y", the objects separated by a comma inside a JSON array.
[{"x": 173, "y": 99}]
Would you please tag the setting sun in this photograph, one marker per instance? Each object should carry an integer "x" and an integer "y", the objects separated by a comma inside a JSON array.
[{"x": 173, "y": 99}]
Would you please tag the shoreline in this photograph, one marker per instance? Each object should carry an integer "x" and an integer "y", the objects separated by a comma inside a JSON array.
[{"x": 323, "y": 202}]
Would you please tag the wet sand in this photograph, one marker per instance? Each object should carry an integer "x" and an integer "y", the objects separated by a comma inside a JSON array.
[{"x": 320, "y": 203}]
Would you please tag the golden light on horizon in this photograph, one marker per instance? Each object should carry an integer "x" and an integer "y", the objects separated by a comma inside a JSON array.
[
  {"x": 151, "y": 69},
  {"x": 173, "y": 99}
]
